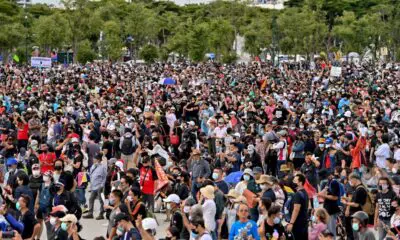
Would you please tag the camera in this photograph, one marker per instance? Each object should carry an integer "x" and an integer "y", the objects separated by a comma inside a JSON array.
[{"x": 8, "y": 234}]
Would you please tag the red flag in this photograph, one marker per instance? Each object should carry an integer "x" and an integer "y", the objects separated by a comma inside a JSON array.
[
  {"x": 162, "y": 177},
  {"x": 311, "y": 191}
]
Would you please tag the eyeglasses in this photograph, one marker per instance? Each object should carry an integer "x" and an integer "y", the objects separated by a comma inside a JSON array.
[{"x": 243, "y": 210}]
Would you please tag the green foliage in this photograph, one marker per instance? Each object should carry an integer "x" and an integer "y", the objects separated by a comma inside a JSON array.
[
  {"x": 85, "y": 53},
  {"x": 149, "y": 53}
]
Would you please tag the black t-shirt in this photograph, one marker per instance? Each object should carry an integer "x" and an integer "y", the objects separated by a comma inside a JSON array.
[
  {"x": 69, "y": 180},
  {"x": 385, "y": 207},
  {"x": 359, "y": 196},
  {"x": 29, "y": 221},
  {"x": 78, "y": 159},
  {"x": 301, "y": 198},
  {"x": 109, "y": 146},
  {"x": 182, "y": 190},
  {"x": 269, "y": 230},
  {"x": 195, "y": 109},
  {"x": 332, "y": 206},
  {"x": 310, "y": 171},
  {"x": 269, "y": 194},
  {"x": 223, "y": 186},
  {"x": 177, "y": 220},
  {"x": 280, "y": 115}
]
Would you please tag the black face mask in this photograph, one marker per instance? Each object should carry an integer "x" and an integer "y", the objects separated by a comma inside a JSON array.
[
  {"x": 58, "y": 168},
  {"x": 57, "y": 188}
]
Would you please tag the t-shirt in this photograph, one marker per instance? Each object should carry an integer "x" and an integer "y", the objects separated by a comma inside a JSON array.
[
  {"x": 269, "y": 230},
  {"x": 223, "y": 186},
  {"x": 250, "y": 227},
  {"x": 269, "y": 194},
  {"x": 23, "y": 132},
  {"x": 384, "y": 200},
  {"x": 47, "y": 161},
  {"x": 109, "y": 146},
  {"x": 177, "y": 220},
  {"x": 359, "y": 196},
  {"x": 280, "y": 115},
  {"x": 29, "y": 221},
  {"x": 332, "y": 206},
  {"x": 301, "y": 198},
  {"x": 310, "y": 171},
  {"x": 367, "y": 235},
  {"x": 148, "y": 176}
]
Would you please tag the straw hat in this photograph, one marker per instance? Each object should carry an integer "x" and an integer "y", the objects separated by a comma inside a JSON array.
[
  {"x": 284, "y": 168},
  {"x": 208, "y": 192},
  {"x": 232, "y": 193},
  {"x": 264, "y": 179},
  {"x": 240, "y": 199}
]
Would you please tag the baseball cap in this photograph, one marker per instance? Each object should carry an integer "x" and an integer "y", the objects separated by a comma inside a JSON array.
[
  {"x": 69, "y": 218},
  {"x": 172, "y": 198}
]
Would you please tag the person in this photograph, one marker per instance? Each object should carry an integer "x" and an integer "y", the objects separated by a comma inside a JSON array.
[
  {"x": 44, "y": 198},
  {"x": 331, "y": 194},
  {"x": 173, "y": 204},
  {"x": 128, "y": 144},
  {"x": 272, "y": 227},
  {"x": 199, "y": 230},
  {"x": 309, "y": 169},
  {"x": 148, "y": 178},
  {"x": 147, "y": 228},
  {"x": 383, "y": 209},
  {"x": 55, "y": 231},
  {"x": 200, "y": 171},
  {"x": 266, "y": 185},
  {"x": 70, "y": 224},
  {"x": 66, "y": 198},
  {"x": 319, "y": 223},
  {"x": 23, "y": 181},
  {"x": 97, "y": 173},
  {"x": 353, "y": 205},
  {"x": 116, "y": 206},
  {"x": 230, "y": 211},
  {"x": 209, "y": 209},
  {"x": 360, "y": 226},
  {"x": 135, "y": 206},
  {"x": 217, "y": 176},
  {"x": 244, "y": 227},
  {"x": 46, "y": 159},
  {"x": 299, "y": 209},
  {"x": 264, "y": 204},
  {"x": 125, "y": 229}
]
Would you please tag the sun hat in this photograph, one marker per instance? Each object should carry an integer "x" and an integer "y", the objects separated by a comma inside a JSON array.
[
  {"x": 249, "y": 172},
  {"x": 264, "y": 179},
  {"x": 69, "y": 218},
  {"x": 232, "y": 193},
  {"x": 241, "y": 199},
  {"x": 208, "y": 192}
]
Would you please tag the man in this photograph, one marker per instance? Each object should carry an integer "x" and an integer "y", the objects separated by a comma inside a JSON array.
[
  {"x": 148, "y": 178},
  {"x": 281, "y": 148},
  {"x": 331, "y": 193},
  {"x": 360, "y": 226},
  {"x": 128, "y": 144},
  {"x": 244, "y": 226},
  {"x": 125, "y": 228},
  {"x": 299, "y": 210},
  {"x": 219, "y": 181},
  {"x": 309, "y": 169},
  {"x": 93, "y": 149},
  {"x": 125, "y": 184},
  {"x": 26, "y": 223},
  {"x": 383, "y": 209},
  {"x": 66, "y": 198},
  {"x": 200, "y": 171},
  {"x": 173, "y": 204},
  {"x": 59, "y": 173},
  {"x": 199, "y": 230},
  {"x": 98, "y": 174},
  {"x": 54, "y": 229},
  {"x": 209, "y": 209},
  {"x": 382, "y": 152},
  {"x": 353, "y": 205},
  {"x": 135, "y": 206}
]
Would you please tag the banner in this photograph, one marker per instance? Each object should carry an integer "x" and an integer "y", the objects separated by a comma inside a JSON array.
[
  {"x": 41, "y": 62},
  {"x": 162, "y": 177},
  {"x": 336, "y": 71}
]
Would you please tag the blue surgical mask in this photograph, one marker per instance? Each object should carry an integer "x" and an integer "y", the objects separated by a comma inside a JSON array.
[
  {"x": 194, "y": 235},
  {"x": 355, "y": 227},
  {"x": 277, "y": 220},
  {"x": 215, "y": 176},
  {"x": 246, "y": 177},
  {"x": 18, "y": 206},
  {"x": 64, "y": 226},
  {"x": 313, "y": 219}
]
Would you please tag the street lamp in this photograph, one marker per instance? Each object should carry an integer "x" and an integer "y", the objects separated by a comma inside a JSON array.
[{"x": 26, "y": 38}]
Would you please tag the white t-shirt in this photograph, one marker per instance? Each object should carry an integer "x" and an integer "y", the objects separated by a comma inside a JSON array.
[{"x": 209, "y": 211}]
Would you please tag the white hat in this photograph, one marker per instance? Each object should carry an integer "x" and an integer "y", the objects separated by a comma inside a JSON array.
[
  {"x": 236, "y": 135},
  {"x": 172, "y": 198},
  {"x": 120, "y": 164},
  {"x": 69, "y": 218},
  {"x": 149, "y": 223},
  {"x": 248, "y": 171},
  {"x": 75, "y": 140},
  {"x": 347, "y": 114},
  {"x": 191, "y": 123}
]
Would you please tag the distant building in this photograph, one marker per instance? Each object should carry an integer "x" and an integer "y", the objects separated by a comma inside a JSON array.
[{"x": 271, "y": 4}]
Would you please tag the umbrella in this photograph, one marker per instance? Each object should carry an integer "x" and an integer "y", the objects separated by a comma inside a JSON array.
[
  {"x": 234, "y": 177},
  {"x": 168, "y": 81}
]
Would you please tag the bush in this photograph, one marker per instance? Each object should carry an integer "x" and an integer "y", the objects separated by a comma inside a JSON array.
[{"x": 149, "y": 53}]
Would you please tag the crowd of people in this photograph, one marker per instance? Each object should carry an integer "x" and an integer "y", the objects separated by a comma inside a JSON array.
[{"x": 245, "y": 151}]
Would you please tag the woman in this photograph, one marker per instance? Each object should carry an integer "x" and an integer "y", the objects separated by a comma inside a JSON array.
[
  {"x": 248, "y": 183},
  {"x": 320, "y": 220},
  {"x": 394, "y": 220},
  {"x": 272, "y": 227},
  {"x": 230, "y": 211},
  {"x": 244, "y": 227},
  {"x": 23, "y": 188}
]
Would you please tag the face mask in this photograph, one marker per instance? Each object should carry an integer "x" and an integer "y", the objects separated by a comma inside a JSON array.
[
  {"x": 64, "y": 226},
  {"x": 301, "y": 126},
  {"x": 36, "y": 173},
  {"x": 53, "y": 221},
  {"x": 169, "y": 206},
  {"x": 18, "y": 206},
  {"x": 246, "y": 177},
  {"x": 58, "y": 188},
  {"x": 251, "y": 151},
  {"x": 112, "y": 201},
  {"x": 355, "y": 227},
  {"x": 58, "y": 168},
  {"x": 263, "y": 187},
  {"x": 313, "y": 219},
  {"x": 56, "y": 177},
  {"x": 186, "y": 209},
  {"x": 321, "y": 145},
  {"x": 277, "y": 220},
  {"x": 194, "y": 234},
  {"x": 46, "y": 178},
  {"x": 383, "y": 187},
  {"x": 130, "y": 199},
  {"x": 120, "y": 231},
  {"x": 215, "y": 176},
  {"x": 394, "y": 170}
]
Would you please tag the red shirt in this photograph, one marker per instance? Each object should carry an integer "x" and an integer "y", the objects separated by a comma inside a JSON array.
[
  {"x": 147, "y": 179},
  {"x": 23, "y": 133},
  {"x": 47, "y": 161}
]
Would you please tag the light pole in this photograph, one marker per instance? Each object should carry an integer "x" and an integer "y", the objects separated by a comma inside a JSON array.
[{"x": 26, "y": 32}]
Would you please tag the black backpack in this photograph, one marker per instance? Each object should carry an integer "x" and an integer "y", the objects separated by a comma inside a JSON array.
[{"x": 127, "y": 146}]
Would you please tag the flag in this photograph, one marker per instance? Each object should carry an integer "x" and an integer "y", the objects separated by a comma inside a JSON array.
[
  {"x": 16, "y": 58},
  {"x": 309, "y": 189},
  {"x": 162, "y": 177}
]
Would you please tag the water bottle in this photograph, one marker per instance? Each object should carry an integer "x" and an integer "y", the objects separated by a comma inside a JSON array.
[{"x": 315, "y": 202}]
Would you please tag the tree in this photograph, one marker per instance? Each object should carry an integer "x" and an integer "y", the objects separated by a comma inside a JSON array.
[
  {"x": 149, "y": 53},
  {"x": 85, "y": 53},
  {"x": 113, "y": 41},
  {"x": 221, "y": 36}
]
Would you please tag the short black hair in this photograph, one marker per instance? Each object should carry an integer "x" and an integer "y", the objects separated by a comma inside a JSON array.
[
  {"x": 118, "y": 193},
  {"x": 136, "y": 192},
  {"x": 26, "y": 198},
  {"x": 274, "y": 210},
  {"x": 301, "y": 178},
  {"x": 24, "y": 178},
  {"x": 198, "y": 221},
  {"x": 128, "y": 180}
]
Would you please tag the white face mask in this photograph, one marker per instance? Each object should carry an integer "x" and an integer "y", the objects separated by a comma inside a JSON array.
[
  {"x": 263, "y": 187},
  {"x": 53, "y": 221},
  {"x": 119, "y": 232},
  {"x": 186, "y": 209},
  {"x": 46, "y": 178},
  {"x": 36, "y": 173},
  {"x": 169, "y": 206},
  {"x": 56, "y": 177},
  {"x": 394, "y": 170},
  {"x": 130, "y": 199}
]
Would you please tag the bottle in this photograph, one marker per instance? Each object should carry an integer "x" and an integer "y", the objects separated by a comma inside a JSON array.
[{"x": 275, "y": 235}]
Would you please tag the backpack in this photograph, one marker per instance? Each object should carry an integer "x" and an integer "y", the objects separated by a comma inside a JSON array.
[
  {"x": 127, "y": 146},
  {"x": 74, "y": 208},
  {"x": 368, "y": 207}
]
